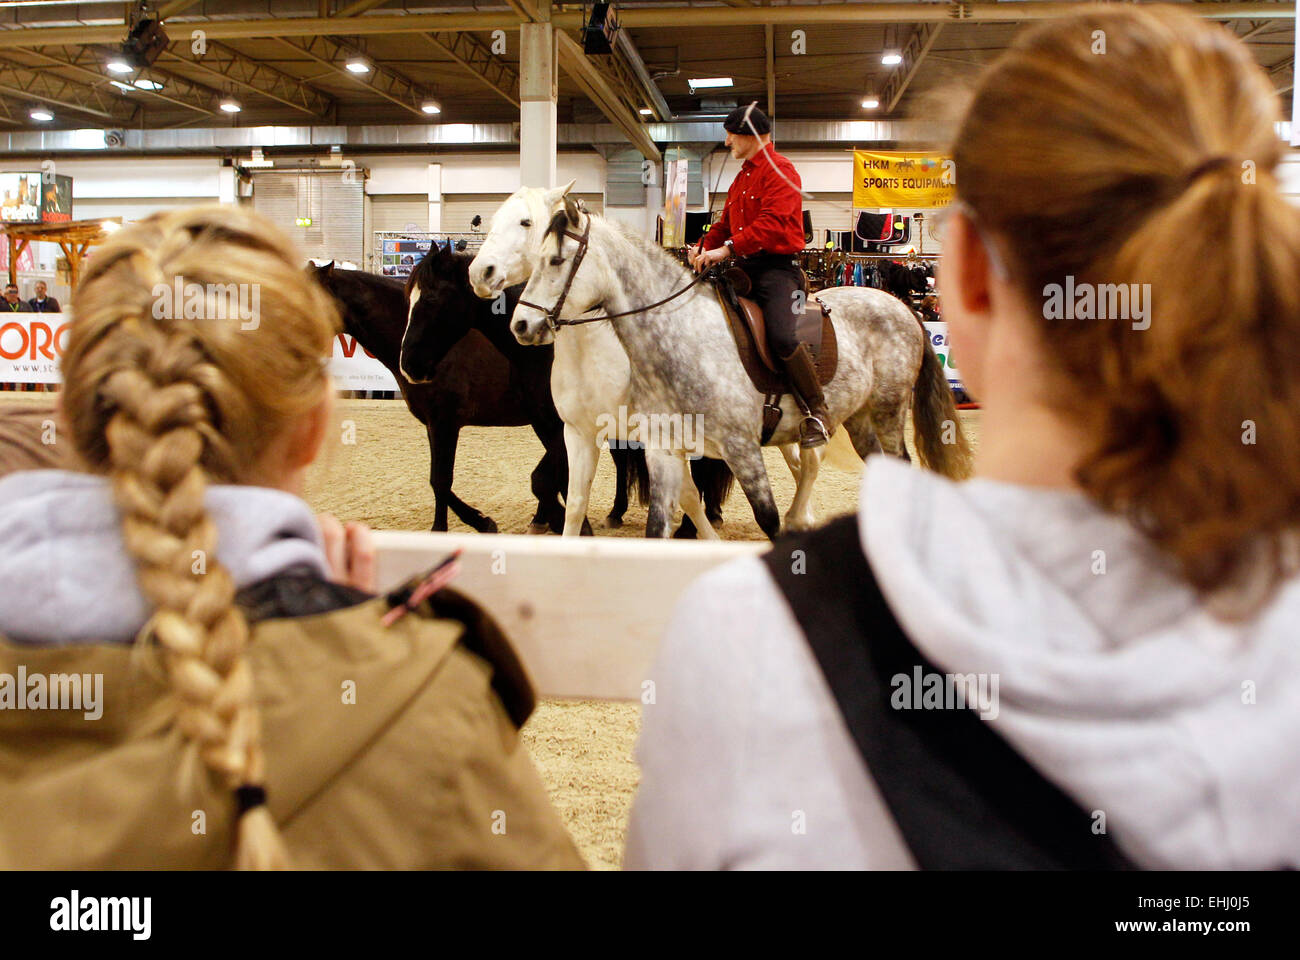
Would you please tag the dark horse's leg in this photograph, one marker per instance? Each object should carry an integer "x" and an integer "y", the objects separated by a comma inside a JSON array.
[
  {"x": 714, "y": 480},
  {"x": 619, "y": 455},
  {"x": 550, "y": 479},
  {"x": 443, "y": 438}
]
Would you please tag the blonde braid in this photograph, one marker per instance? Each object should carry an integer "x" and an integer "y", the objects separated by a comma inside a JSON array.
[{"x": 154, "y": 404}]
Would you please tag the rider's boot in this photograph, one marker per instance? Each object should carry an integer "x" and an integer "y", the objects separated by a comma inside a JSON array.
[{"x": 815, "y": 428}]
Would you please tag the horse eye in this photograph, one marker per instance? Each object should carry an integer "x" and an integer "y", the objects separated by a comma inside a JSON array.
[
  {"x": 525, "y": 223},
  {"x": 556, "y": 261}
]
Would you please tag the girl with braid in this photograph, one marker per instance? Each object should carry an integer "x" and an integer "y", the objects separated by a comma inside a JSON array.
[{"x": 233, "y": 705}]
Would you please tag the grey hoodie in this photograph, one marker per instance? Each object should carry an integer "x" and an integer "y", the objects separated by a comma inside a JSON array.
[
  {"x": 1118, "y": 686},
  {"x": 65, "y": 575}
]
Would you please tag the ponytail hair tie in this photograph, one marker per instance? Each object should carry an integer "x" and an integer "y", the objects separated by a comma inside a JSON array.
[
  {"x": 1205, "y": 166},
  {"x": 248, "y": 797}
]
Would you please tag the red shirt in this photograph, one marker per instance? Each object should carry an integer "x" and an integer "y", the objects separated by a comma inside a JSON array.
[{"x": 764, "y": 214}]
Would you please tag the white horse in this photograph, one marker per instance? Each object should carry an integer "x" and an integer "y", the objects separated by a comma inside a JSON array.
[
  {"x": 591, "y": 376},
  {"x": 684, "y": 363}
]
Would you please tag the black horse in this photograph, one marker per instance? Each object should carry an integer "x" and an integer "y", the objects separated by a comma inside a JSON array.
[
  {"x": 447, "y": 309},
  {"x": 477, "y": 385}
]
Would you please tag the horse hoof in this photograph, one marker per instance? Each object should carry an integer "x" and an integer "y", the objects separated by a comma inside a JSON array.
[
  {"x": 488, "y": 526},
  {"x": 685, "y": 532},
  {"x": 714, "y": 520},
  {"x": 539, "y": 529},
  {"x": 613, "y": 522},
  {"x": 586, "y": 529}
]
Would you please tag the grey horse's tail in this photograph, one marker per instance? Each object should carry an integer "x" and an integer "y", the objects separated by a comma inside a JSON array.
[{"x": 936, "y": 428}]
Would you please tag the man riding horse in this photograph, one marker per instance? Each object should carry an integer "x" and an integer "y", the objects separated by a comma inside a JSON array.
[{"x": 762, "y": 226}]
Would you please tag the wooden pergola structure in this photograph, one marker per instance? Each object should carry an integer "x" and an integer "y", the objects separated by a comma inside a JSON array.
[{"x": 75, "y": 237}]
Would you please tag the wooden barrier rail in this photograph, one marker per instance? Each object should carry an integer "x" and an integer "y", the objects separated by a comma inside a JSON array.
[{"x": 585, "y": 613}]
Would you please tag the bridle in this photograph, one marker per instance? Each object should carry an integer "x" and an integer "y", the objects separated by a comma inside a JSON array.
[{"x": 553, "y": 319}]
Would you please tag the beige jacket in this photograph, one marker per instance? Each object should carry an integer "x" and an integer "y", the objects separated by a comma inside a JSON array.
[{"x": 424, "y": 769}]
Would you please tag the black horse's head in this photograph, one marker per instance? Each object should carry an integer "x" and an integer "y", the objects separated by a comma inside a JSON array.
[
  {"x": 441, "y": 308},
  {"x": 373, "y": 309}
]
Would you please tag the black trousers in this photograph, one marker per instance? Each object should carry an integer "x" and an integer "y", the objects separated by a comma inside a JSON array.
[{"x": 776, "y": 280}]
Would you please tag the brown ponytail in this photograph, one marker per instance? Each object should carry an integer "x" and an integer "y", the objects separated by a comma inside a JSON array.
[
  {"x": 166, "y": 405},
  {"x": 1135, "y": 145}
]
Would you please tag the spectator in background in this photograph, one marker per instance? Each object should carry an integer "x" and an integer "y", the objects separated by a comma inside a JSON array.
[
  {"x": 41, "y": 303},
  {"x": 180, "y": 565},
  {"x": 13, "y": 303},
  {"x": 1119, "y": 580}
]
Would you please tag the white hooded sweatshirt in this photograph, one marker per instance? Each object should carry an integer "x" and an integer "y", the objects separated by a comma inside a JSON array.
[{"x": 1114, "y": 683}]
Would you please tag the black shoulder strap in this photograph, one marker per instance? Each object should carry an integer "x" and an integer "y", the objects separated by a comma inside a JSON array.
[{"x": 961, "y": 796}]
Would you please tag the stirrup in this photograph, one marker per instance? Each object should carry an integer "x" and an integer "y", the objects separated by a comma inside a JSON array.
[{"x": 814, "y": 437}]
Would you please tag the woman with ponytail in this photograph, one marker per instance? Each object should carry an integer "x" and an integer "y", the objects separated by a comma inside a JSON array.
[
  {"x": 234, "y": 707},
  {"x": 1085, "y": 656}
]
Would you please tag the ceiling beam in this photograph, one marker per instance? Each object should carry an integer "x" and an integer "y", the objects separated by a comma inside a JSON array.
[
  {"x": 477, "y": 57},
  {"x": 918, "y": 44},
  {"x": 86, "y": 61},
  {"x": 384, "y": 81},
  {"x": 595, "y": 85},
  {"x": 641, "y": 79},
  {"x": 173, "y": 8},
  {"x": 48, "y": 87},
  {"x": 228, "y": 65},
  {"x": 358, "y": 8},
  {"x": 643, "y": 16}
]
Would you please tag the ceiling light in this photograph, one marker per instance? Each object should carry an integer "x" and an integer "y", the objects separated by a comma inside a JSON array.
[
  {"x": 119, "y": 65},
  {"x": 646, "y": 112},
  {"x": 109, "y": 226},
  {"x": 431, "y": 107},
  {"x": 41, "y": 114},
  {"x": 122, "y": 86},
  {"x": 357, "y": 65},
  {"x": 870, "y": 103},
  {"x": 708, "y": 83},
  {"x": 230, "y": 105},
  {"x": 146, "y": 84},
  {"x": 891, "y": 59}
]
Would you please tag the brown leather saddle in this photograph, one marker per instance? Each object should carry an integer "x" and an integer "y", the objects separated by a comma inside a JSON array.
[{"x": 748, "y": 329}]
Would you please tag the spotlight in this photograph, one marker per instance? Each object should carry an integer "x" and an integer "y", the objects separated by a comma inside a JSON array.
[
  {"x": 41, "y": 115},
  {"x": 357, "y": 65},
  {"x": 145, "y": 84},
  {"x": 646, "y": 112},
  {"x": 119, "y": 65},
  {"x": 431, "y": 107},
  {"x": 891, "y": 59},
  {"x": 870, "y": 103},
  {"x": 230, "y": 105}
]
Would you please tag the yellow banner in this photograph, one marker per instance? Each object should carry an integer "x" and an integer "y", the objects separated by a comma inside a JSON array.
[{"x": 910, "y": 180}]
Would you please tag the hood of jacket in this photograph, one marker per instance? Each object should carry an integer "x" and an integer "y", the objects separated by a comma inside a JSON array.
[
  {"x": 65, "y": 575},
  {"x": 1112, "y": 677}
]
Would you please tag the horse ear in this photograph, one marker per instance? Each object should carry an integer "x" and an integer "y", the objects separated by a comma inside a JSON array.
[
  {"x": 556, "y": 194},
  {"x": 571, "y": 210},
  {"x": 327, "y": 271}
]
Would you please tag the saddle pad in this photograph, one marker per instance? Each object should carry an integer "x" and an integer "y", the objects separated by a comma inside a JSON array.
[{"x": 758, "y": 361}]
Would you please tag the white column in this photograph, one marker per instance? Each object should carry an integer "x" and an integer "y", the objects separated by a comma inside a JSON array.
[
  {"x": 227, "y": 185},
  {"x": 435, "y": 198},
  {"x": 537, "y": 117}
]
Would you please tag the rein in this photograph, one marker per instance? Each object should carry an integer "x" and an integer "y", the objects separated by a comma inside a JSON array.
[{"x": 553, "y": 314}]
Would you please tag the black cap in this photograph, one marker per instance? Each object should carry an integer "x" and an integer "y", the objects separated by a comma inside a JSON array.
[{"x": 735, "y": 122}]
